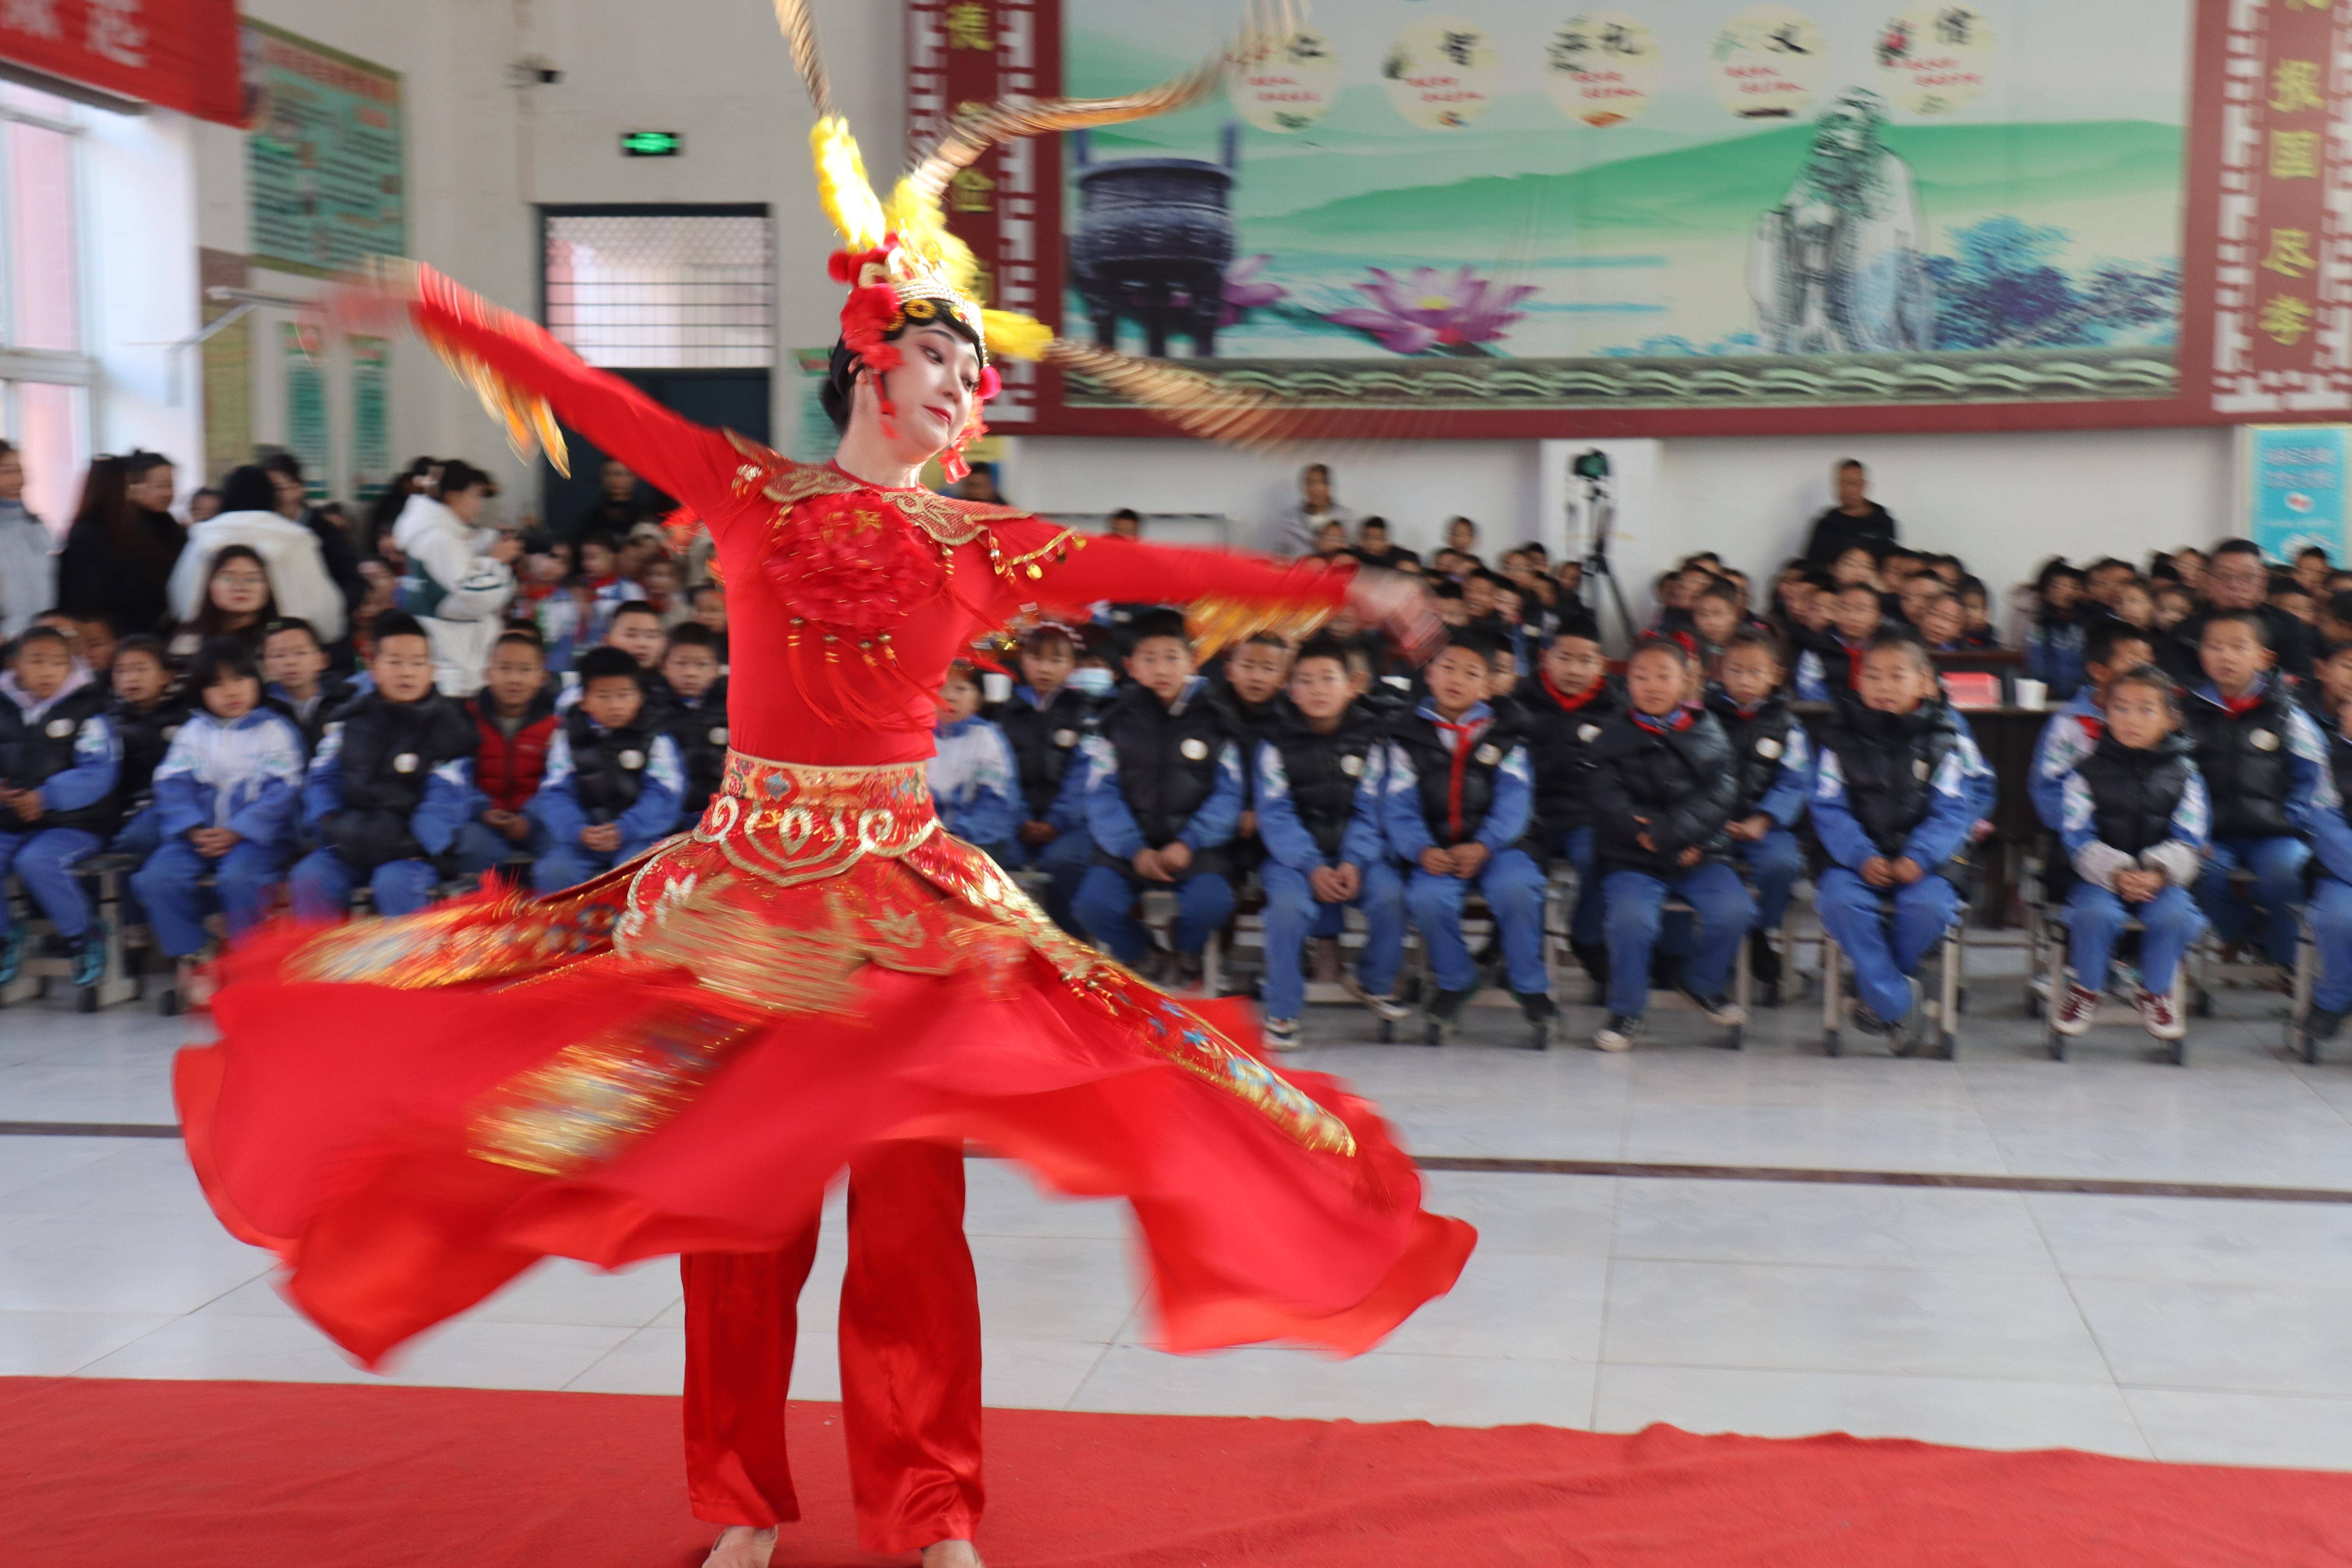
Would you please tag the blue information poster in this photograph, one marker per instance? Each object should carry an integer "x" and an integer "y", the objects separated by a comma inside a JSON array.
[{"x": 2294, "y": 488}]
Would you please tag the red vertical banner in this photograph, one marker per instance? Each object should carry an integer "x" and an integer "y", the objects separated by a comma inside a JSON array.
[
  {"x": 2283, "y": 279},
  {"x": 963, "y": 52}
]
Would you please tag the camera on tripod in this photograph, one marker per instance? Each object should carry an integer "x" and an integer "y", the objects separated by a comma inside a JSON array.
[{"x": 1592, "y": 464}]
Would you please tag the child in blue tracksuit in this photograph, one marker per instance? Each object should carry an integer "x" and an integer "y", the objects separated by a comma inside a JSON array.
[
  {"x": 1318, "y": 816},
  {"x": 59, "y": 764},
  {"x": 226, "y": 797},
  {"x": 2134, "y": 821},
  {"x": 2074, "y": 732},
  {"x": 1899, "y": 787},
  {"x": 1045, "y": 720},
  {"x": 2330, "y": 906},
  {"x": 1458, "y": 807},
  {"x": 390, "y": 787},
  {"x": 975, "y": 784},
  {"x": 1774, "y": 758},
  {"x": 2054, "y": 645},
  {"x": 614, "y": 777},
  {"x": 1854, "y": 615},
  {"x": 1164, "y": 796},
  {"x": 2266, "y": 766}
]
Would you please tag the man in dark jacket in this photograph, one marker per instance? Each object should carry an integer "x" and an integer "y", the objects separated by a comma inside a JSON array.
[
  {"x": 1163, "y": 799},
  {"x": 1898, "y": 788},
  {"x": 1565, "y": 702},
  {"x": 390, "y": 787},
  {"x": 2239, "y": 581},
  {"x": 1664, "y": 784},
  {"x": 1855, "y": 520},
  {"x": 1459, "y": 808}
]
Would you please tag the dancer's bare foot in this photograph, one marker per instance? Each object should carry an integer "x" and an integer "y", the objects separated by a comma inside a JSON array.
[
  {"x": 741, "y": 1546},
  {"x": 951, "y": 1554}
]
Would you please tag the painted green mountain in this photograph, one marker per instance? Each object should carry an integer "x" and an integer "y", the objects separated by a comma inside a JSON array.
[{"x": 1718, "y": 189}]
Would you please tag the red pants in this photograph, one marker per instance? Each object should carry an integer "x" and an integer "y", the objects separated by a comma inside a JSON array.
[{"x": 909, "y": 1361}]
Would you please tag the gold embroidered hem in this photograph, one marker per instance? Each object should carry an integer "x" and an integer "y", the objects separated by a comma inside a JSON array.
[{"x": 798, "y": 883}]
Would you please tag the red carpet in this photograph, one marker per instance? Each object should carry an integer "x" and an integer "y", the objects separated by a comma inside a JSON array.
[{"x": 195, "y": 1475}]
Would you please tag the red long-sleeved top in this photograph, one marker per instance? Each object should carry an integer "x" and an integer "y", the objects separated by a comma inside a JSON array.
[{"x": 789, "y": 697}]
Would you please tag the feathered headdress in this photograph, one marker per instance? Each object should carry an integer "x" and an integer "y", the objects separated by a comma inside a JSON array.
[{"x": 902, "y": 264}]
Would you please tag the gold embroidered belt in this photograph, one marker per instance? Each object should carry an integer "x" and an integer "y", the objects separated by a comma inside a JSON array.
[{"x": 790, "y": 822}]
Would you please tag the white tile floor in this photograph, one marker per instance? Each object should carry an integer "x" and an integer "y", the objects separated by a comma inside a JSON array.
[{"x": 2181, "y": 1329}]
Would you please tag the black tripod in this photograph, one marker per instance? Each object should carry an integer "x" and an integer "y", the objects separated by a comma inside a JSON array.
[{"x": 1600, "y": 517}]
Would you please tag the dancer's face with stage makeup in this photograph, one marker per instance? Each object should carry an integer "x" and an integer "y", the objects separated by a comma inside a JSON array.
[{"x": 932, "y": 391}]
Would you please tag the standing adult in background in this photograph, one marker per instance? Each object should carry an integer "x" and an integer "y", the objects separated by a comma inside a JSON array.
[
  {"x": 2237, "y": 579},
  {"x": 621, "y": 507},
  {"x": 28, "y": 563},
  {"x": 119, "y": 553},
  {"x": 336, "y": 555},
  {"x": 1855, "y": 520},
  {"x": 253, "y": 513},
  {"x": 460, "y": 574},
  {"x": 1294, "y": 532}
]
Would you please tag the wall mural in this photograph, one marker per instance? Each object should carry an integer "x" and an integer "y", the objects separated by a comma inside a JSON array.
[{"x": 1524, "y": 217}]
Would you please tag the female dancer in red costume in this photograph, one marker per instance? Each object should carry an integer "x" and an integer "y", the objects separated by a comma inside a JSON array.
[{"x": 678, "y": 1056}]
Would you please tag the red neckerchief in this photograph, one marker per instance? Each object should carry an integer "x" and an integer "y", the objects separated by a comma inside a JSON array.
[
  {"x": 2092, "y": 725},
  {"x": 1460, "y": 735},
  {"x": 1571, "y": 704},
  {"x": 1854, "y": 657},
  {"x": 1679, "y": 720}
]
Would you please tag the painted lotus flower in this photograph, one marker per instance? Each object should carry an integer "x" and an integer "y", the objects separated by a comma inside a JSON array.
[
  {"x": 1244, "y": 292},
  {"x": 1428, "y": 311}
]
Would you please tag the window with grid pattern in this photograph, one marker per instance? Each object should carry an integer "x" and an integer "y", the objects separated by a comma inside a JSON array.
[{"x": 663, "y": 291}]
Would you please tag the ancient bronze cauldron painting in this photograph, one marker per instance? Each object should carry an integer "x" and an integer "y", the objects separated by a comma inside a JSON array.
[{"x": 1150, "y": 244}]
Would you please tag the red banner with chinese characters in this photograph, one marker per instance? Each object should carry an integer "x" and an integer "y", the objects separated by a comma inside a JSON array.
[
  {"x": 179, "y": 54},
  {"x": 977, "y": 51},
  {"x": 2282, "y": 292}
]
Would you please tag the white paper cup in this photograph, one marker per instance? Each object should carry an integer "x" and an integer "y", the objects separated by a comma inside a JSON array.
[
  {"x": 994, "y": 687},
  {"x": 2031, "y": 693}
]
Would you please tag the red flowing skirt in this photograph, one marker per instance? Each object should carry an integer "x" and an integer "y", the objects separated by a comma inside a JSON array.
[{"x": 680, "y": 1055}]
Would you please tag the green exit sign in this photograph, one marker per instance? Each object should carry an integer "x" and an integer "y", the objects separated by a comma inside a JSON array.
[{"x": 653, "y": 143}]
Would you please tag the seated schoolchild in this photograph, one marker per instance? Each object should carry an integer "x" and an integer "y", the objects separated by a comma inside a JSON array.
[
  {"x": 514, "y": 716},
  {"x": 1251, "y": 692},
  {"x": 2324, "y": 696},
  {"x": 2330, "y": 908},
  {"x": 389, "y": 786},
  {"x": 2075, "y": 730},
  {"x": 1319, "y": 817},
  {"x": 1776, "y": 773},
  {"x": 227, "y": 795},
  {"x": 2266, "y": 768},
  {"x": 613, "y": 779},
  {"x": 1665, "y": 782},
  {"x": 1715, "y": 613},
  {"x": 294, "y": 671},
  {"x": 2134, "y": 817},
  {"x": 1898, "y": 788},
  {"x": 144, "y": 715},
  {"x": 58, "y": 766},
  {"x": 1164, "y": 796},
  {"x": 1835, "y": 673},
  {"x": 1459, "y": 808},
  {"x": 1565, "y": 703},
  {"x": 2053, "y": 648},
  {"x": 1046, "y": 720},
  {"x": 975, "y": 782},
  {"x": 696, "y": 716}
]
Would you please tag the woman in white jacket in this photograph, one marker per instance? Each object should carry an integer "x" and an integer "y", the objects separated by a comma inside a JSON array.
[
  {"x": 298, "y": 570},
  {"x": 460, "y": 576}
]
